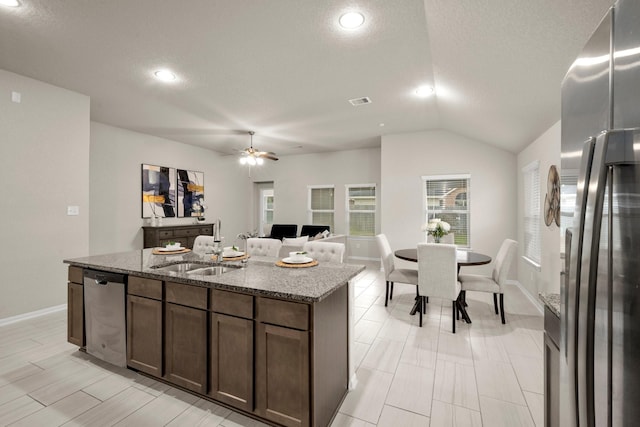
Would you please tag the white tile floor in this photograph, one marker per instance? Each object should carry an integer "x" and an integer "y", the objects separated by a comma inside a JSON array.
[{"x": 487, "y": 374}]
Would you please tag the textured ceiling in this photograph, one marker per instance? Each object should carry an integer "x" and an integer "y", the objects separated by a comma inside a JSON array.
[{"x": 284, "y": 69}]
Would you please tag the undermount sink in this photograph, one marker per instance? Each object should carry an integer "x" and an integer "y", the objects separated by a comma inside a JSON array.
[
  {"x": 204, "y": 269},
  {"x": 213, "y": 271}
]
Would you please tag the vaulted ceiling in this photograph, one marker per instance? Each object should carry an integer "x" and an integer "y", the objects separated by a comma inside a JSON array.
[{"x": 286, "y": 70}]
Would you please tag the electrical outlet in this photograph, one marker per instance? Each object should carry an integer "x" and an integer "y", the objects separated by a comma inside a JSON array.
[
  {"x": 73, "y": 210},
  {"x": 16, "y": 97}
]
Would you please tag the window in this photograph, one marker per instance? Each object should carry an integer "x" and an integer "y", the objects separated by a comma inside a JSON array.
[
  {"x": 361, "y": 210},
  {"x": 447, "y": 197},
  {"x": 321, "y": 205},
  {"x": 531, "y": 178}
]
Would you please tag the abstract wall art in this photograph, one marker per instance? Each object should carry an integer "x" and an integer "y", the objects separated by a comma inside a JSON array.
[
  {"x": 158, "y": 191},
  {"x": 191, "y": 194}
]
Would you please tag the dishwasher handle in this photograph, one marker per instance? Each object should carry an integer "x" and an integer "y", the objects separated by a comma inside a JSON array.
[{"x": 103, "y": 277}]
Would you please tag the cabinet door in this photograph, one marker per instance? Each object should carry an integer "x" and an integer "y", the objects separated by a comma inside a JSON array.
[
  {"x": 231, "y": 369},
  {"x": 186, "y": 347},
  {"x": 75, "y": 314},
  {"x": 282, "y": 375},
  {"x": 551, "y": 383},
  {"x": 144, "y": 334}
]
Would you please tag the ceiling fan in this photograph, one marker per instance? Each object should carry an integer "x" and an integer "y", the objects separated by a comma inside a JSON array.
[{"x": 251, "y": 156}]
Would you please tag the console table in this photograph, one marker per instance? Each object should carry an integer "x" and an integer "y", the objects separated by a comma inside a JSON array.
[{"x": 185, "y": 234}]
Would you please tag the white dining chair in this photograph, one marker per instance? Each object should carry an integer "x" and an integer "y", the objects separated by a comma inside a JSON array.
[
  {"x": 203, "y": 244},
  {"x": 324, "y": 251},
  {"x": 494, "y": 283},
  {"x": 258, "y": 246},
  {"x": 438, "y": 276},
  {"x": 391, "y": 273}
]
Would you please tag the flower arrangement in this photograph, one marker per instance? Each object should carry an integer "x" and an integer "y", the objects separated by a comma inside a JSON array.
[{"x": 437, "y": 228}]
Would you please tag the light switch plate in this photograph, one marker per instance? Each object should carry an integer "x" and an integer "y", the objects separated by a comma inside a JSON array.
[
  {"x": 16, "y": 97},
  {"x": 73, "y": 210}
]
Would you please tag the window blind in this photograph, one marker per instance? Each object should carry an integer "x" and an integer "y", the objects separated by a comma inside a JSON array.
[
  {"x": 361, "y": 207},
  {"x": 447, "y": 198},
  {"x": 531, "y": 178},
  {"x": 321, "y": 206}
]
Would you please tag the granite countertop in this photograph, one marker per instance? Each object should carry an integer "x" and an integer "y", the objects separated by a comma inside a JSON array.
[
  {"x": 552, "y": 301},
  {"x": 259, "y": 276}
]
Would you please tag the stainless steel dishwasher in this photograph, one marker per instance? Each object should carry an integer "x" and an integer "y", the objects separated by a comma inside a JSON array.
[{"x": 104, "y": 309}]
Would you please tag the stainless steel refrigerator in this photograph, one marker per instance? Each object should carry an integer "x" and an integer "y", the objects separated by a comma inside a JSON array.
[{"x": 600, "y": 216}]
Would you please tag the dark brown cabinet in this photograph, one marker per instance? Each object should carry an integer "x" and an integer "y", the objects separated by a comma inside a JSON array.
[
  {"x": 144, "y": 325},
  {"x": 551, "y": 369},
  {"x": 185, "y": 234},
  {"x": 231, "y": 349},
  {"x": 75, "y": 307},
  {"x": 282, "y": 375},
  {"x": 185, "y": 347},
  {"x": 282, "y": 362}
]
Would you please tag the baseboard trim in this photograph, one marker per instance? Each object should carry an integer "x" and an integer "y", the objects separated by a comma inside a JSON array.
[
  {"x": 535, "y": 301},
  {"x": 31, "y": 315}
]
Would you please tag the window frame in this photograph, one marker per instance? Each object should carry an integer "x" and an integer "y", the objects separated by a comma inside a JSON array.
[
  {"x": 264, "y": 195},
  {"x": 532, "y": 213},
  {"x": 348, "y": 211},
  {"x": 466, "y": 210},
  {"x": 311, "y": 211}
]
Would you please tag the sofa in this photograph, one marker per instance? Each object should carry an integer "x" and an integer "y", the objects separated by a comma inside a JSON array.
[{"x": 292, "y": 242}]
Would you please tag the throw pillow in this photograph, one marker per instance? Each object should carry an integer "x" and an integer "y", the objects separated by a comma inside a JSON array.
[
  {"x": 295, "y": 241},
  {"x": 318, "y": 236}
]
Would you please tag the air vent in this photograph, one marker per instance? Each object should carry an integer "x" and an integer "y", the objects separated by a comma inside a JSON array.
[{"x": 356, "y": 102}]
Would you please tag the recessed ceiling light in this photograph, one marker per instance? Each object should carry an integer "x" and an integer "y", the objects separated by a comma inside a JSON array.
[
  {"x": 351, "y": 20},
  {"x": 381, "y": 125},
  {"x": 424, "y": 91},
  {"x": 10, "y": 3},
  {"x": 165, "y": 75}
]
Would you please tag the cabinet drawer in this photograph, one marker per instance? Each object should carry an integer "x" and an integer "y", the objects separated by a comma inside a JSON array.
[
  {"x": 191, "y": 296},
  {"x": 206, "y": 230},
  {"x": 165, "y": 234},
  {"x": 283, "y": 313},
  {"x": 231, "y": 303},
  {"x": 143, "y": 287},
  {"x": 75, "y": 274},
  {"x": 188, "y": 232}
]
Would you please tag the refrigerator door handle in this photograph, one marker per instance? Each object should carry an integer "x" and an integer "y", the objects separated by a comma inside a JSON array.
[
  {"x": 588, "y": 278},
  {"x": 572, "y": 286}
]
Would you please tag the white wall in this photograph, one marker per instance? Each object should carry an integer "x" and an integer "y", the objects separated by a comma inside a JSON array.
[
  {"x": 44, "y": 165},
  {"x": 292, "y": 175},
  {"x": 116, "y": 158},
  {"x": 493, "y": 191},
  {"x": 546, "y": 149}
]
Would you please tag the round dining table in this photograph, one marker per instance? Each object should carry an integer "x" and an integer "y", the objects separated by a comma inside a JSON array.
[{"x": 464, "y": 259}]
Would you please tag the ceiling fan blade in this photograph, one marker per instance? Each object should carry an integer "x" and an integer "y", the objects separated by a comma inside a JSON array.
[{"x": 269, "y": 156}]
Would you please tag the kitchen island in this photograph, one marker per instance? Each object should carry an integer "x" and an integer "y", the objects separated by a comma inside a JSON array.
[{"x": 268, "y": 341}]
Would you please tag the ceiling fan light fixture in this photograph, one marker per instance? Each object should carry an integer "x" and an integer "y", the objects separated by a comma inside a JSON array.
[
  {"x": 243, "y": 160},
  {"x": 351, "y": 20},
  {"x": 259, "y": 160}
]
